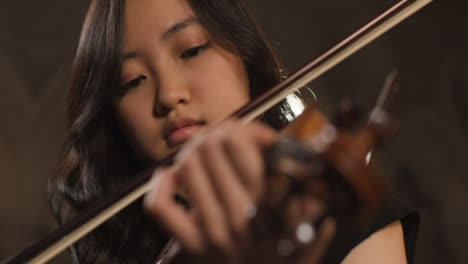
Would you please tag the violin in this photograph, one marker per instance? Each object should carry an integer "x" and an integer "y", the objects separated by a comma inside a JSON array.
[
  {"x": 317, "y": 158},
  {"x": 310, "y": 148}
]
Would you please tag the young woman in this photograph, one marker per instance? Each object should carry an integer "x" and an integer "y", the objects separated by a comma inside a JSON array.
[{"x": 150, "y": 76}]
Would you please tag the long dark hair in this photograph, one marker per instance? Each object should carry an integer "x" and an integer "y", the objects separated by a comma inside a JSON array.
[{"x": 97, "y": 158}]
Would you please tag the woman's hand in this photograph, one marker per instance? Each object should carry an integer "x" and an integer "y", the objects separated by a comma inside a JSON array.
[{"x": 221, "y": 171}]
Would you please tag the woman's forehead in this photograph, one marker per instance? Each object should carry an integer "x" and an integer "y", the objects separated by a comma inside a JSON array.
[{"x": 154, "y": 17}]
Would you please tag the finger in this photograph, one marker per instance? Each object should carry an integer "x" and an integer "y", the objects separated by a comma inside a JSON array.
[
  {"x": 262, "y": 135},
  {"x": 229, "y": 189},
  {"x": 160, "y": 205},
  {"x": 247, "y": 162},
  {"x": 203, "y": 198},
  {"x": 244, "y": 147}
]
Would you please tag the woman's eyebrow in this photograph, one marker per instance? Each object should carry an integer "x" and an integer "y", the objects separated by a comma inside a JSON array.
[{"x": 179, "y": 26}]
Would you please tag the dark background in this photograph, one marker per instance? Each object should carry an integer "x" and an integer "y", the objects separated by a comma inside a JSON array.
[{"x": 425, "y": 163}]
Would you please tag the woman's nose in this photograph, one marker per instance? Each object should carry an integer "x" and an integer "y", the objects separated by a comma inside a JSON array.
[{"x": 171, "y": 92}]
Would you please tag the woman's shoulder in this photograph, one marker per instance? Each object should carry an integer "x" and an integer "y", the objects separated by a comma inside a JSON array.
[{"x": 385, "y": 223}]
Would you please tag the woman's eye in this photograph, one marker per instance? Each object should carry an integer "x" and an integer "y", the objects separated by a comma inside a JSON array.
[
  {"x": 192, "y": 52},
  {"x": 135, "y": 82}
]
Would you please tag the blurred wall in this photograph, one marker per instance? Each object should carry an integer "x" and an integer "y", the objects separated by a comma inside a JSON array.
[
  {"x": 425, "y": 163},
  {"x": 37, "y": 44}
]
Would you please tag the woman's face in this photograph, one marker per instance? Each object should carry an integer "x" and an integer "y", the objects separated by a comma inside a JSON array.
[{"x": 175, "y": 79}]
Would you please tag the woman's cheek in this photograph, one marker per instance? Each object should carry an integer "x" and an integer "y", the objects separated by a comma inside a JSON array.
[
  {"x": 224, "y": 88},
  {"x": 136, "y": 126}
]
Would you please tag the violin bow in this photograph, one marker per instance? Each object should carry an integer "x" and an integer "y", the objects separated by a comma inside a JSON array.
[{"x": 92, "y": 217}]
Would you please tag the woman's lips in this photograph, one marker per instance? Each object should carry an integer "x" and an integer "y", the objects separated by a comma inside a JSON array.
[
  {"x": 182, "y": 134},
  {"x": 180, "y": 130}
]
